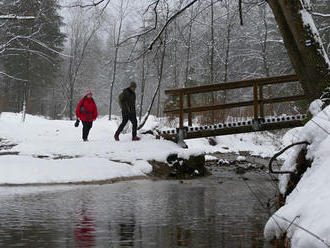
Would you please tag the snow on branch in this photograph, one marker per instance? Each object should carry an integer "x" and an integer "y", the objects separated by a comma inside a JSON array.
[
  {"x": 320, "y": 14},
  {"x": 16, "y": 17},
  {"x": 12, "y": 77},
  {"x": 155, "y": 3},
  {"x": 92, "y": 4}
]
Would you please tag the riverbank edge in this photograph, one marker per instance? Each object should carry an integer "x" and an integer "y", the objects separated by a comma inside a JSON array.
[
  {"x": 97, "y": 182},
  {"x": 149, "y": 176}
]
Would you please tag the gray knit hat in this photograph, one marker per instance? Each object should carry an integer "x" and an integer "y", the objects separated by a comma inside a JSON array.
[{"x": 133, "y": 85}]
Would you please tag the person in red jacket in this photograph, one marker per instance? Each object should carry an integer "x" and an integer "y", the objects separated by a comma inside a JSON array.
[{"x": 87, "y": 113}]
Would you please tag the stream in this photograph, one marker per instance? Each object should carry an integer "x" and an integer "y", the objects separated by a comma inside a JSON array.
[{"x": 221, "y": 210}]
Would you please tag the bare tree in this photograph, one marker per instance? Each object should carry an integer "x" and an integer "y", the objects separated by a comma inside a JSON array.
[
  {"x": 81, "y": 33},
  {"x": 143, "y": 77},
  {"x": 117, "y": 41}
]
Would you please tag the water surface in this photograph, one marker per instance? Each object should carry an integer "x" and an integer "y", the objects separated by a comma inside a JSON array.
[{"x": 217, "y": 211}]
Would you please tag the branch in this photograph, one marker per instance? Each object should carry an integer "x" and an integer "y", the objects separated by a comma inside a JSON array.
[
  {"x": 145, "y": 118},
  {"x": 324, "y": 241},
  {"x": 240, "y": 12},
  {"x": 320, "y": 14},
  {"x": 16, "y": 17},
  {"x": 45, "y": 46},
  {"x": 281, "y": 152},
  {"x": 93, "y": 4},
  {"x": 12, "y": 77},
  {"x": 169, "y": 22},
  {"x": 156, "y": 3}
]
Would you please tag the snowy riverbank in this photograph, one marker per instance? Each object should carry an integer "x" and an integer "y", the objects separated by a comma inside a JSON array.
[
  {"x": 51, "y": 151},
  {"x": 304, "y": 219}
]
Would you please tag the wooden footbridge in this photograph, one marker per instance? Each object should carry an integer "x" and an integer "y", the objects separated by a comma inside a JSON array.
[{"x": 256, "y": 123}]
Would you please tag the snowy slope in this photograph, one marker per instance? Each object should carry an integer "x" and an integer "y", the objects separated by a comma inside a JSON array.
[
  {"x": 101, "y": 158},
  {"x": 307, "y": 207}
]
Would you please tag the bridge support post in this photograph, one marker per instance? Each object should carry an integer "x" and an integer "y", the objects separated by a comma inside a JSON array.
[
  {"x": 261, "y": 99},
  {"x": 255, "y": 101},
  {"x": 189, "y": 113},
  {"x": 181, "y": 137},
  {"x": 181, "y": 130},
  {"x": 181, "y": 100}
]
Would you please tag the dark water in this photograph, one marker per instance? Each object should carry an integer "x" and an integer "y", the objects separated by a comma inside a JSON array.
[{"x": 217, "y": 211}]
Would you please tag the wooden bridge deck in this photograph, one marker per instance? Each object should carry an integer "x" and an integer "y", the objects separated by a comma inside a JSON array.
[
  {"x": 257, "y": 123},
  {"x": 264, "y": 124}
]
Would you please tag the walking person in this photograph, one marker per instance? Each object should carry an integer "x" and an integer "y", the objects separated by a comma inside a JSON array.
[
  {"x": 87, "y": 113},
  {"x": 127, "y": 103}
]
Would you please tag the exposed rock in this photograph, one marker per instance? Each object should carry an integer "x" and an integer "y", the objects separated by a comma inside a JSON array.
[
  {"x": 212, "y": 141},
  {"x": 243, "y": 168},
  {"x": 180, "y": 168},
  {"x": 61, "y": 157},
  {"x": 6, "y": 145},
  {"x": 244, "y": 153},
  {"x": 8, "y": 153},
  {"x": 240, "y": 170},
  {"x": 41, "y": 156},
  {"x": 225, "y": 162}
]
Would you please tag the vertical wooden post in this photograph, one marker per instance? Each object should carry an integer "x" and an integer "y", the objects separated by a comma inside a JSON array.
[
  {"x": 255, "y": 100},
  {"x": 261, "y": 99},
  {"x": 189, "y": 114},
  {"x": 181, "y": 110}
]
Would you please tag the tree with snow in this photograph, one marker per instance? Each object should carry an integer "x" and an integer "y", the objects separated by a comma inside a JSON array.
[{"x": 35, "y": 43}]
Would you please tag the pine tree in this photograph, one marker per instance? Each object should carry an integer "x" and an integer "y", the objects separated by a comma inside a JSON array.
[{"x": 35, "y": 56}]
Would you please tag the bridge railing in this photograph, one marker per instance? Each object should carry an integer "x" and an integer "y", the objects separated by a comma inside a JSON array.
[{"x": 258, "y": 101}]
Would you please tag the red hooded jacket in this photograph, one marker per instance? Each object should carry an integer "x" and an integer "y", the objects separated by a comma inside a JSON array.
[{"x": 87, "y": 110}]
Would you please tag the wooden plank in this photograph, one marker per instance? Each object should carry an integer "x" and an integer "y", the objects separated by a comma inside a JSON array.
[
  {"x": 285, "y": 99},
  {"x": 235, "y": 105},
  {"x": 232, "y": 85},
  {"x": 255, "y": 101},
  {"x": 210, "y": 107}
]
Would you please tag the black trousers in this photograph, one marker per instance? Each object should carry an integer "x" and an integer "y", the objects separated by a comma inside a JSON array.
[
  {"x": 128, "y": 117},
  {"x": 87, "y": 125}
]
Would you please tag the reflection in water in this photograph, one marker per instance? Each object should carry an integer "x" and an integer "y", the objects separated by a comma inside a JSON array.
[
  {"x": 183, "y": 237},
  {"x": 217, "y": 211},
  {"x": 84, "y": 232},
  {"x": 126, "y": 233}
]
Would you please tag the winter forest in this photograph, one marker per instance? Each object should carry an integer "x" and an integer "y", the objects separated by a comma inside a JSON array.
[
  {"x": 228, "y": 135},
  {"x": 72, "y": 46}
]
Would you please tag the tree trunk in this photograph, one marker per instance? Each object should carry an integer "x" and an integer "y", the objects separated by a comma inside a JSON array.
[
  {"x": 71, "y": 103},
  {"x": 143, "y": 81},
  {"x": 212, "y": 59},
  {"x": 161, "y": 70},
  {"x": 115, "y": 63},
  {"x": 113, "y": 81},
  {"x": 303, "y": 44},
  {"x": 188, "y": 49}
]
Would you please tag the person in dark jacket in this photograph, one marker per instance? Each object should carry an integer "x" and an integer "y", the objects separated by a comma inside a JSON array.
[
  {"x": 87, "y": 113},
  {"x": 127, "y": 102}
]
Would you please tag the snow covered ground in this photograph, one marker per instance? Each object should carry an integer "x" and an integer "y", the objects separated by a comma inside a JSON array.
[
  {"x": 305, "y": 218},
  {"x": 51, "y": 151}
]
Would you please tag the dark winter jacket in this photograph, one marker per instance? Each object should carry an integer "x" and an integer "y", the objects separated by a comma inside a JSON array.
[
  {"x": 128, "y": 101},
  {"x": 87, "y": 110}
]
